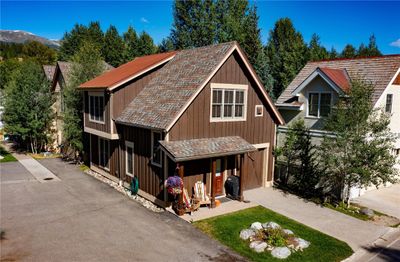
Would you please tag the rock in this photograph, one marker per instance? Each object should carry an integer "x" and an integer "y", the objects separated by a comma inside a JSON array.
[
  {"x": 1, "y": 157},
  {"x": 256, "y": 226},
  {"x": 258, "y": 246},
  {"x": 280, "y": 252},
  {"x": 366, "y": 211},
  {"x": 288, "y": 232},
  {"x": 301, "y": 243},
  {"x": 247, "y": 233},
  {"x": 272, "y": 225}
]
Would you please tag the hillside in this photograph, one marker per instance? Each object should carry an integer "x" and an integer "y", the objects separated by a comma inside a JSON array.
[{"x": 18, "y": 36}]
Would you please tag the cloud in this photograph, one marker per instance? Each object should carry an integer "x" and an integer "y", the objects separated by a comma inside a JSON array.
[
  {"x": 396, "y": 43},
  {"x": 144, "y": 20}
]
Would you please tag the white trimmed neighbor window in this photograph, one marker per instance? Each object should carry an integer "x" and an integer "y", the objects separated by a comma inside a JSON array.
[
  {"x": 155, "y": 148},
  {"x": 228, "y": 102},
  {"x": 96, "y": 107},
  {"x": 319, "y": 104},
  {"x": 129, "y": 158},
  {"x": 104, "y": 153},
  {"x": 389, "y": 103}
]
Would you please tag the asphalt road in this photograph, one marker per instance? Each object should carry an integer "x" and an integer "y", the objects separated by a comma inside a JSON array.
[{"x": 82, "y": 219}]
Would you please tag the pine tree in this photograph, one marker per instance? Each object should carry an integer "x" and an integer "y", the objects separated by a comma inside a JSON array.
[
  {"x": 348, "y": 51},
  {"x": 231, "y": 16},
  {"x": 359, "y": 154},
  {"x": 315, "y": 50},
  {"x": 166, "y": 45},
  {"x": 131, "y": 44},
  {"x": 27, "y": 109},
  {"x": 333, "y": 53},
  {"x": 370, "y": 50},
  {"x": 87, "y": 64},
  {"x": 113, "y": 49},
  {"x": 145, "y": 45},
  {"x": 287, "y": 54}
]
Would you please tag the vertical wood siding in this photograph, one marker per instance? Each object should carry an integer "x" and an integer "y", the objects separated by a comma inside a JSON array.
[
  {"x": 195, "y": 122},
  {"x": 114, "y": 157},
  {"x": 106, "y": 127}
]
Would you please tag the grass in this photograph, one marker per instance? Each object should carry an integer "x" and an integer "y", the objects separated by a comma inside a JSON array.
[
  {"x": 7, "y": 156},
  {"x": 83, "y": 167},
  {"x": 353, "y": 211},
  {"x": 226, "y": 229}
]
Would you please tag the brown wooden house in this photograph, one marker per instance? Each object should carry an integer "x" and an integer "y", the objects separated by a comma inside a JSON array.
[{"x": 203, "y": 110}]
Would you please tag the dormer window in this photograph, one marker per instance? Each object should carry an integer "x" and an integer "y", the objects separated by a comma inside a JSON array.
[{"x": 319, "y": 104}]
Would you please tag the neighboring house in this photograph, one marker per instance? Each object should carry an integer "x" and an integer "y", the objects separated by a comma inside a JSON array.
[
  {"x": 201, "y": 113},
  {"x": 318, "y": 86}
]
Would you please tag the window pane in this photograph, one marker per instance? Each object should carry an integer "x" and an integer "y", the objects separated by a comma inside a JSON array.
[
  {"x": 239, "y": 111},
  {"x": 101, "y": 108},
  {"x": 217, "y": 96},
  {"x": 389, "y": 102},
  {"x": 313, "y": 104},
  {"x": 325, "y": 106},
  {"x": 239, "y": 97},
  {"x": 91, "y": 105},
  {"x": 228, "y": 111},
  {"x": 228, "y": 97},
  {"x": 216, "y": 111},
  {"x": 129, "y": 159}
]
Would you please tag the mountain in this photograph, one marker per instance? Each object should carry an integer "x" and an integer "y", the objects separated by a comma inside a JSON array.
[{"x": 19, "y": 36}]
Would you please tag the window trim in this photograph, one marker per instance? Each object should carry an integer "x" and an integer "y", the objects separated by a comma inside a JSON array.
[
  {"x": 131, "y": 145},
  {"x": 97, "y": 94},
  {"x": 152, "y": 148},
  {"x": 391, "y": 103},
  {"x": 262, "y": 111},
  {"x": 234, "y": 87},
  {"x": 108, "y": 153},
  {"x": 319, "y": 103}
]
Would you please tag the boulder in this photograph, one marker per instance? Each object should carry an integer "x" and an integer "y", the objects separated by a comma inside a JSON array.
[
  {"x": 258, "y": 246},
  {"x": 300, "y": 243},
  {"x": 272, "y": 225},
  {"x": 280, "y": 252},
  {"x": 366, "y": 211},
  {"x": 288, "y": 232},
  {"x": 256, "y": 226},
  {"x": 247, "y": 233}
]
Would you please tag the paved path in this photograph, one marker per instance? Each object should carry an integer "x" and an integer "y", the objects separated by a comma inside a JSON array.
[
  {"x": 355, "y": 232},
  {"x": 82, "y": 219},
  {"x": 385, "y": 200}
]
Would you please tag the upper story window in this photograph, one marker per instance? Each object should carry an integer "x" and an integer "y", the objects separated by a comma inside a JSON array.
[
  {"x": 155, "y": 148},
  {"x": 96, "y": 107},
  {"x": 389, "y": 102},
  {"x": 319, "y": 104},
  {"x": 228, "y": 102}
]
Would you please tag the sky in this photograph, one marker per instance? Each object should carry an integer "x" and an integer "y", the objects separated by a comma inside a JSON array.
[{"x": 336, "y": 22}]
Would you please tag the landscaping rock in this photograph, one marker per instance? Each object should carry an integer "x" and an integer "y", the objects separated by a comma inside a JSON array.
[
  {"x": 247, "y": 233},
  {"x": 258, "y": 246},
  {"x": 1, "y": 157},
  {"x": 366, "y": 211},
  {"x": 253, "y": 244},
  {"x": 301, "y": 243},
  {"x": 288, "y": 232},
  {"x": 272, "y": 225},
  {"x": 281, "y": 252},
  {"x": 256, "y": 226}
]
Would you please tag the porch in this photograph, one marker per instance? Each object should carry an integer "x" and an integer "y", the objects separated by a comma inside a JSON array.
[{"x": 208, "y": 163}]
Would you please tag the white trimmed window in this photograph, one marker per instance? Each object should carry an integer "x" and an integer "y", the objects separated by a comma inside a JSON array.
[
  {"x": 96, "y": 107},
  {"x": 319, "y": 104},
  {"x": 155, "y": 148},
  {"x": 389, "y": 102},
  {"x": 228, "y": 102},
  {"x": 259, "y": 110},
  {"x": 104, "y": 153},
  {"x": 129, "y": 158}
]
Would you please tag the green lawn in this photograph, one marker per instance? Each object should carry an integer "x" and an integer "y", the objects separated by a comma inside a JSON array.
[
  {"x": 226, "y": 229},
  {"x": 7, "y": 156}
]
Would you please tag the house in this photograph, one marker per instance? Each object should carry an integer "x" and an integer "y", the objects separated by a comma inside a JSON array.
[
  {"x": 201, "y": 113},
  {"x": 317, "y": 87}
]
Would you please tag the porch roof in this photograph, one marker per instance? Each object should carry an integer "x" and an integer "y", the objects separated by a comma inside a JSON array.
[{"x": 185, "y": 150}]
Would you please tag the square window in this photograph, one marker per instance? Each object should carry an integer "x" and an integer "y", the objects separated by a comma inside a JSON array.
[{"x": 259, "y": 110}]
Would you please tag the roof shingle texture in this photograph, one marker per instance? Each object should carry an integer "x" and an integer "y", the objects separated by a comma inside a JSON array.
[
  {"x": 376, "y": 70},
  {"x": 126, "y": 70},
  {"x": 49, "y": 71},
  {"x": 184, "y": 150},
  {"x": 166, "y": 94}
]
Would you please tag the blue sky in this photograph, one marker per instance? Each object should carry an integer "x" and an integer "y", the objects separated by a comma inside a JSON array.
[{"x": 336, "y": 22}]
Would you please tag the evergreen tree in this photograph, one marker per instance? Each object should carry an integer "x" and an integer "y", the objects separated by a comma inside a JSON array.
[
  {"x": 131, "y": 44},
  {"x": 87, "y": 64},
  {"x": 27, "y": 109},
  {"x": 145, "y": 45},
  {"x": 315, "y": 50},
  {"x": 231, "y": 16},
  {"x": 360, "y": 153},
  {"x": 348, "y": 51},
  {"x": 166, "y": 45},
  {"x": 113, "y": 49},
  {"x": 333, "y": 53},
  {"x": 8, "y": 69},
  {"x": 370, "y": 50},
  {"x": 286, "y": 53}
]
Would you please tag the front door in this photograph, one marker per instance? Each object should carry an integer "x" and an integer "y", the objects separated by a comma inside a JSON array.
[{"x": 219, "y": 178}]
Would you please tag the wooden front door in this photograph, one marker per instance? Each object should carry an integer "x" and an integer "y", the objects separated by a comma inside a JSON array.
[{"x": 219, "y": 178}]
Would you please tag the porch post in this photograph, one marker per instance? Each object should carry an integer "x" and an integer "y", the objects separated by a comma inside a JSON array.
[
  {"x": 213, "y": 181},
  {"x": 241, "y": 178},
  {"x": 181, "y": 173}
]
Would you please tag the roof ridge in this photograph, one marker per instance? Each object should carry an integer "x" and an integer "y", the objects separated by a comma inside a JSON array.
[{"x": 355, "y": 58}]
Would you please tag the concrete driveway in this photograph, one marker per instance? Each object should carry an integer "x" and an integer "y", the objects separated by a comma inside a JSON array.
[
  {"x": 385, "y": 200},
  {"x": 82, "y": 219}
]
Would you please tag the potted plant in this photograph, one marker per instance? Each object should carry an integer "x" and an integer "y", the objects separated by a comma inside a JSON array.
[{"x": 174, "y": 186}]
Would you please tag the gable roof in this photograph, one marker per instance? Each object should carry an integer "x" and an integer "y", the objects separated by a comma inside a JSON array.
[
  {"x": 167, "y": 96},
  {"x": 339, "y": 77},
  {"x": 49, "y": 71},
  {"x": 379, "y": 71},
  {"x": 128, "y": 71}
]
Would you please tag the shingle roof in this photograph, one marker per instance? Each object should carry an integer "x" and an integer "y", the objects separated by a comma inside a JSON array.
[
  {"x": 49, "y": 71},
  {"x": 166, "y": 94},
  {"x": 376, "y": 70},
  {"x": 128, "y": 70},
  {"x": 184, "y": 150},
  {"x": 339, "y": 77}
]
